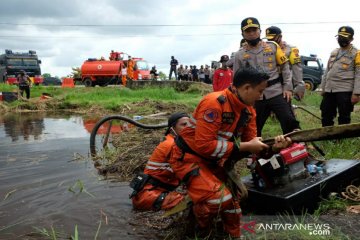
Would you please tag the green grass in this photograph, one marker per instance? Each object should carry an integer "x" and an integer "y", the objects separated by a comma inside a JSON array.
[
  {"x": 342, "y": 149},
  {"x": 110, "y": 98},
  {"x": 332, "y": 203}
]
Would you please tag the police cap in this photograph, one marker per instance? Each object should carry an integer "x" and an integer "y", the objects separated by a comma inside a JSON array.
[
  {"x": 346, "y": 31},
  {"x": 249, "y": 22},
  {"x": 272, "y": 32}
]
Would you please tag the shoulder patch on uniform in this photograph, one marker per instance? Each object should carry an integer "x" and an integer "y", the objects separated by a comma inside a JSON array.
[
  {"x": 280, "y": 55},
  {"x": 294, "y": 57},
  {"x": 357, "y": 59},
  {"x": 221, "y": 99},
  {"x": 210, "y": 115}
]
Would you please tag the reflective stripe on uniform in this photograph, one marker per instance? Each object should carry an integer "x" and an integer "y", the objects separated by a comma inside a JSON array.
[
  {"x": 220, "y": 200},
  {"x": 228, "y": 134},
  {"x": 159, "y": 168},
  {"x": 223, "y": 150},
  {"x": 218, "y": 148},
  {"x": 237, "y": 210},
  {"x": 158, "y": 164}
]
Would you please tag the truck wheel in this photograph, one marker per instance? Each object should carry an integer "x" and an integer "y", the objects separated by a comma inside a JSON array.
[
  {"x": 88, "y": 82},
  {"x": 309, "y": 85}
]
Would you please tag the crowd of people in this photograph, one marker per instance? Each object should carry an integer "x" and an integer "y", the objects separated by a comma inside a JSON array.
[
  {"x": 191, "y": 72},
  {"x": 219, "y": 76},
  {"x": 228, "y": 122}
]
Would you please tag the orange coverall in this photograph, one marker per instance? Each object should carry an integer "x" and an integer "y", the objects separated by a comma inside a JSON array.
[
  {"x": 130, "y": 69},
  {"x": 213, "y": 124},
  {"x": 123, "y": 75},
  {"x": 159, "y": 168}
]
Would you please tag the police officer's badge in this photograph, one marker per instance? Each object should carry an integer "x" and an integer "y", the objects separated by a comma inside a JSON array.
[{"x": 249, "y": 21}]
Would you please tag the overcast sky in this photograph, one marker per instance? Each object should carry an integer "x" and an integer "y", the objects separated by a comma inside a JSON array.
[{"x": 65, "y": 33}]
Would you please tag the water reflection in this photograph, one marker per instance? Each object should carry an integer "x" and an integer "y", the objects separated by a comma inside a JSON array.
[
  {"x": 16, "y": 125},
  {"x": 26, "y": 127},
  {"x": 113, "y": 126},
  {"x": 38, "y": 168}
]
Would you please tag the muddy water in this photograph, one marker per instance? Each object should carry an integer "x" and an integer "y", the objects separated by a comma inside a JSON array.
[{"x": 47, "y": 181}]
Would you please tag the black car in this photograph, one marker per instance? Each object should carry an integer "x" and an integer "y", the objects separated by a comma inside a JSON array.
[
  {"x": 52, "y": 81},
  {"x": 312, "y": 71}
]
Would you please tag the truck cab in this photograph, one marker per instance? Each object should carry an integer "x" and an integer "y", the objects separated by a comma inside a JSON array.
[
  {"x": 312, "y": 71},
  {"x": 12, "y": 62},
  {"x": 141, "y": 70}
]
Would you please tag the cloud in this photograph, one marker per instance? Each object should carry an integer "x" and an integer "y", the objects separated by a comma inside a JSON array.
[{"x": 65, "y": 33}]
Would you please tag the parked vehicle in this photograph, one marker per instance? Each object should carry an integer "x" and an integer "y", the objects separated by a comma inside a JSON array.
[
  {"x": 103, "y": 72},
  {"x": 312, "y": 71},
  {"x": 12, "y": 62},
  {"x": 52, "y": 81}
]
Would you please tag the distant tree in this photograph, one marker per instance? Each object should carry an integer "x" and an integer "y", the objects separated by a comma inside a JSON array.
[
  {"x": 76, "y": 72},
  {"x": 162, "y": 75},
  {"x": 46, "y": 75}
]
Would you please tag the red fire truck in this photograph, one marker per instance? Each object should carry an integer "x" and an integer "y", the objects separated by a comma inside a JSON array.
[{"x": 103, "y": 72}]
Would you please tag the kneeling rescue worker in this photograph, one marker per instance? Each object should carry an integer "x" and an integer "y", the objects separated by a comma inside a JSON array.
[
  {"x": 154, "y": 189},
  {"x": 222, "y": 127}
]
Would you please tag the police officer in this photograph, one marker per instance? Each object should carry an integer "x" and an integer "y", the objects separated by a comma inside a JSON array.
[
  {"x": 274, "y": 33},
  {"x": 341, "y": 81},
  {"x": 268, "y": 57}
]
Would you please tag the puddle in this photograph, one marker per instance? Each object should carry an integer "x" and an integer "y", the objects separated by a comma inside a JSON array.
[{"x": 48, "y": 182}]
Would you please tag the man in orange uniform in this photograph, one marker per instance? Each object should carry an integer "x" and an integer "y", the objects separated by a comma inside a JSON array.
[
  {"x": 158, "y": 193},
  {"x": 124, "y": 74},
  {"x": 222, "y": 126},
  {"x": 130, "y": 68}
]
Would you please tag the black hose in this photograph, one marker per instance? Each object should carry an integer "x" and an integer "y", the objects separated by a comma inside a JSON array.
[
  {"x": 305, "y": 110},
  {"x": 118, "y": 117}
]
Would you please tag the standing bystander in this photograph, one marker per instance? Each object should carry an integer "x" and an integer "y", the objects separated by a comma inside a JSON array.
[
  {"x": 274, "y": 33},
  {"x": 130, "y": 68},
  {"x": 269, "y": 58},
  {"x": 24, "y": 83},
  {"x": 173, "y": 64},
  {"x": 222, "y": 76},
  {"x": 341, "y": 81}
]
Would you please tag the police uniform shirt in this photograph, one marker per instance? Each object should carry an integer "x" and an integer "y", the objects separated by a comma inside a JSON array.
[
  {"x": 267, "y": 57},
  {"x": 181, "y": 70},
  {"x": 343, "y": 71}
]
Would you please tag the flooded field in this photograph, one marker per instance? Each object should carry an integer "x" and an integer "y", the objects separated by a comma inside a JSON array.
[{"x": 48, "y": 183}]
